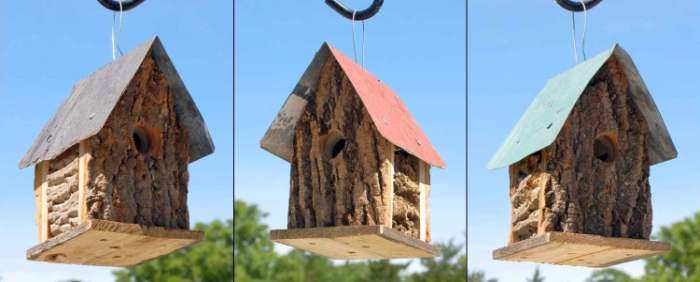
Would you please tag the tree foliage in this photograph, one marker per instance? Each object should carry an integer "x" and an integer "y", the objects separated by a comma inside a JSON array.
[
  {"x": 449, "y": 266},
  {"x": 209, "y": 260},
  {"x": 536, "y": 276},
  {"x": 683, "y": 262},
  {"x": 610, "y": 275}
]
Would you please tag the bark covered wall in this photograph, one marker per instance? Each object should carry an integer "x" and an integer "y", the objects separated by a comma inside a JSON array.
[
  {"x": 565, "y": 187},
  {"x": 62, "y": 192},
  {"x": 406, "y": 216},
  {"x": 352, "y": 187},
  {"x": 129, "y": 186}
]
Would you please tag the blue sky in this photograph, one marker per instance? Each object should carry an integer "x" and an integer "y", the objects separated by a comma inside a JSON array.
[
  {"x": 514, "y": 49},
  {"x": 46, "y": 46},
  {"x": 417, "y": 49}
]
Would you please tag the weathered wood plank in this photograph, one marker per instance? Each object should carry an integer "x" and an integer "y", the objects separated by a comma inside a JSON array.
[
  {"x": 109, "y": 243},
  {"x": 40, "y": 174},
  {"x": 580, "y": 249},
  {"x": 423, "y": 205},
  {"x": 43, "y": 172},
  {"x": 83, "y": 178},
  {"x": 354, "y": 242},
  {"x": 387, "y": 173},
  {"x": 428, "y": 189}
]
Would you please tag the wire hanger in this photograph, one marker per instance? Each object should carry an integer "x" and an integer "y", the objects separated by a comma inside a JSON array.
[
  {"x": 355, "y": 15},
  {"x": 116, "y": 5},
  {"x": 578, "y": 6}
]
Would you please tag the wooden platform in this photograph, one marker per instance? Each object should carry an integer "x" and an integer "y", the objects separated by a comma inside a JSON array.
[
  {"x": 354, "y": 242},
  {"x": 580, "y": 249},
  {"x": 108, "y": 243}
]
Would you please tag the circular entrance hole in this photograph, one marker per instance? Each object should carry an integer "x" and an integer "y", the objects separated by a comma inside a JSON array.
[
  {"x": 335, "y": 143},
  {"x": 521, "y": 174},
  {"x": 141, "y": 140},
  {"x": 604, "y": 149},
  {"x": 337, "y": 148}
]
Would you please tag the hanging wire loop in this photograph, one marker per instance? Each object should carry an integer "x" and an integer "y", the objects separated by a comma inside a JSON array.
[
  {"x": 125, "y": 4},
  {"x": 578, "y": 6},
  {"x": 360, "y": 15}
]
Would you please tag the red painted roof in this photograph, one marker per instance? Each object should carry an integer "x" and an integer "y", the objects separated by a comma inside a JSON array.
[{"x": 390, "y": 115}]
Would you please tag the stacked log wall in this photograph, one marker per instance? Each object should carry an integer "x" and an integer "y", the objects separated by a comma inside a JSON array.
[
  {"x": 62, "y": 192},
  {"x": 406, "y": 215}
]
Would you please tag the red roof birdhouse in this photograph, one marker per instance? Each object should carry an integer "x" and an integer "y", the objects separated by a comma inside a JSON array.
[{"x": 360, "y": 165}]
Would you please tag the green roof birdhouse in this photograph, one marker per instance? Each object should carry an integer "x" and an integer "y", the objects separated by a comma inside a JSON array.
[
  {"x": 360, "y": 165},
  {"x": 111, "y": 165},
  {"x": 578, "y": 162}
]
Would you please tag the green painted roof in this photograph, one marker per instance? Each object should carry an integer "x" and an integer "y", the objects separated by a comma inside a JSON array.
[{"x": 544, "y": 118}]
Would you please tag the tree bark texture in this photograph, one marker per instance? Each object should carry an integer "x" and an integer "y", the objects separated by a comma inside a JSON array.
[
  {"x": 352, "y": 188},
  {"x": 131, "y": 186},
  {"x": 565, "y": 187},
  {"x": 62, "y": 192},
  {"x": 406, "y": 215}
]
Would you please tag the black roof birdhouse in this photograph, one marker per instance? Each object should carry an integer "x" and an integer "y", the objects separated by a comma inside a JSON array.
[
  {"x": 360, "y": 165},
  {"x": 579, "y": 163},
  {"x": 111, "y": 165}
]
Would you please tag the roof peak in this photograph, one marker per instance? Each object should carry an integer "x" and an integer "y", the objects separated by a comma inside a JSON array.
[
  {"x": 546, "y": 115},
  {"x": 92, "y": 99},
  {"x": 390, "y": 116}
]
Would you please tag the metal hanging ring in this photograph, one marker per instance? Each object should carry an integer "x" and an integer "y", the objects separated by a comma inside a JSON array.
[
  {"x": 125, "y": 5},
  {"x": 359, "y": 15},
  {"x": 577, "y": 6}
]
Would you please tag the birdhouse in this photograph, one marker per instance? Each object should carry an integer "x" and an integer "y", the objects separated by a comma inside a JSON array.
[
  {"x": 111, "y": 165},
  {"x": 360, "y": 165},
  {"x": 578, "y": 162}
]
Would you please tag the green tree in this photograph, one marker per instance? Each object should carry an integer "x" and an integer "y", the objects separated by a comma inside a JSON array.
[
  {"x": 383, "y": 270},
  {"x": 448, "y": 267},
  {"x": 610, "y": 275},
  {"x": 209, "y": 260},
  {"x": 682, "y": 263},
  {"x": 537, "y": 276},
  {"x": 479, "y": 276},
  {"x": 298, "y": 266},
  {"x": 253, "y": 252}
]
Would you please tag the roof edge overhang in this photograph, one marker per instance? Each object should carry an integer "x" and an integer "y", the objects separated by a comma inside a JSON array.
[{"x": 527, "y": 138}]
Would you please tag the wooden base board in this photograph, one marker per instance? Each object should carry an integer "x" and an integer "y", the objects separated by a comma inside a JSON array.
[
  {"x": 109, "y": 243},
  {"x": 354, "y": 242},
  {"x": 580, "y": 249}
]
